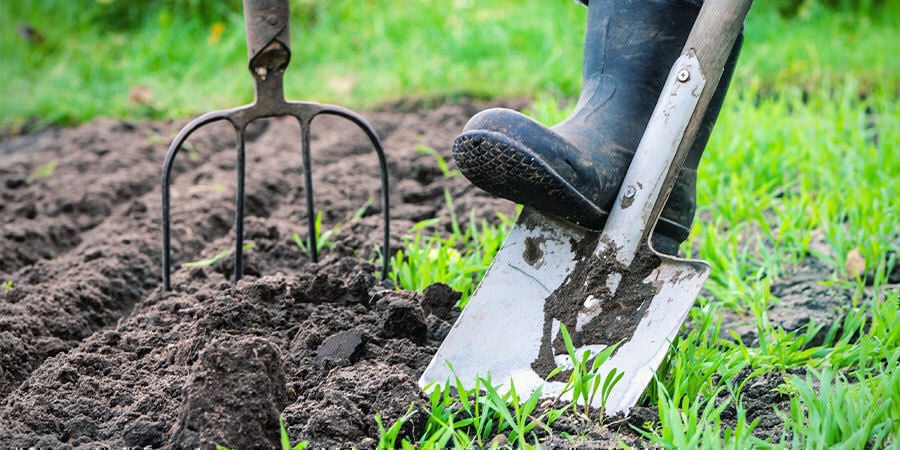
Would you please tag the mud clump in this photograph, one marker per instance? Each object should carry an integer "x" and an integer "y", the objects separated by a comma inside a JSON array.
[
  {"x": 605, "y": 297},
  {"x": 402, "y": 317},
  {"x": 346, "y": 345},
  {"x": 234, "y": 396}
]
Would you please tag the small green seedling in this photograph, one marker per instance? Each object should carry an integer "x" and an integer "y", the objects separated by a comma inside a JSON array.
[
  {"x": 445, "y": 169},
  {"x": 42, "y": 172},
  {"x": 214, "y": 259},
  {"x": 7, "y": 286},
  {"x": 286, "y": 440},
  {"x": 585, "y": 382},
  {"x": 387, "y": 439},
  {"x": 323, "y": 238}
]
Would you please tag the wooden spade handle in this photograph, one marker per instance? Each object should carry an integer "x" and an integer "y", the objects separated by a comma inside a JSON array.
[
  {"x": 672, "y": 128},
  {"x": 711, "y": 39}
]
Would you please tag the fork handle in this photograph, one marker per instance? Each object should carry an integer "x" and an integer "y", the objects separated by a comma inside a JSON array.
[{"x": 267, "y": 23}]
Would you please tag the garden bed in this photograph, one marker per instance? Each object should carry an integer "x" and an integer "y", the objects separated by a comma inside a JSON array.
[{"x": 93, "y": 353}]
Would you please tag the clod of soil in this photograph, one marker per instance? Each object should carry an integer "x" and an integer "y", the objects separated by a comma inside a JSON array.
[{"x": 617, "y": 310}]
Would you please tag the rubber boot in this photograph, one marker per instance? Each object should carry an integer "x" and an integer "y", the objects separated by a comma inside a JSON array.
[{"x": 574, "y": 169}]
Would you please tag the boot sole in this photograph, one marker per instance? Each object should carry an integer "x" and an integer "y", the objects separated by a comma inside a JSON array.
[{"x": 509, "y": 170}]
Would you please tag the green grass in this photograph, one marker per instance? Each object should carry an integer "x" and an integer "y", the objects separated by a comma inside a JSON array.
[
  {"x": 787, "y": 178},
  {"x": 165, "y": 58},
  {"x": 214, "y": 259},
  {"x": 458, "y": 260},
  {"x": 482, "y": 417}
]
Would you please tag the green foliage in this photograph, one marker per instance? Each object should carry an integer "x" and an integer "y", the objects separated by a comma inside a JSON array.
[
  {"x": 323, "y": 239},
  {"x": 585, "y": 380},
  {"x": 866, "y": 8},
  {"x": 42, "y": 172},
  {"x": 480, "y": 415},
  {"x": 459, "y": 260},
  {"x": 6, "y": 286},
  {"x": 119, "y": 15},
  {"x": 387, "y": 439},
  {"x": 285, "y": 440},
  {"x": 216, "y": 258},
  {"x": 830, "y": 411},
  {"x": 697, "y": 424},
  {"x": 189, "y": 56},
  {"x": 474, "y": 417}
]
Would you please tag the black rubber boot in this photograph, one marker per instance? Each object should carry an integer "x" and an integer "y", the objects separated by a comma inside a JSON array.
[{"x": 574, "y": 169}]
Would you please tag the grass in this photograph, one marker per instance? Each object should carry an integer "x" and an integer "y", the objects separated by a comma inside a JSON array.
[
  {"x": 210, "y": 261},
  {"x": 322, "y": 238},
  {"x": 43, "y": 172},
  {"x": 482, "y": 417},
  {"x": 164, "y": 58},
  {"x": 789, "y": 178},
  {"x": 802, "y": 167},
  {"x": 458, "y": 260}
]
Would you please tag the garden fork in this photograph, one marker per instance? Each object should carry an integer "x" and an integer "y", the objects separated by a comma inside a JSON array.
[{"x": 268, "y": 49}]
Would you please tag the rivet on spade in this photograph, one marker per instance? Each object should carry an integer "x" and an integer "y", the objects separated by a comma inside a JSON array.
[{"x": 684, "y": 75}]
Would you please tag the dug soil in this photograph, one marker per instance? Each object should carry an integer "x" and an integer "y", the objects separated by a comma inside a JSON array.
[{"x": 94, "y": 354}]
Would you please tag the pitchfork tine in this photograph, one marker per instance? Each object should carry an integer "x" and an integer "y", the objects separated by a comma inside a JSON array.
[
  {"x": 268, "y": 49},
  {"x": 166, "y": 178}
]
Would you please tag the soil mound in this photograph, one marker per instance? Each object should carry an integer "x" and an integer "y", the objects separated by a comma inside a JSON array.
[{"x": 92, "y": 353}]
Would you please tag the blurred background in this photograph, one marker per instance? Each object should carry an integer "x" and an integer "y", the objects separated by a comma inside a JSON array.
[{"x": 66, "y": 61}]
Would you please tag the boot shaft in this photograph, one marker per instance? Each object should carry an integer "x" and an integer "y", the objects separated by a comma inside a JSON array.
[
  {"x": 630, "y": 46},
  {"x": 636, "y": 40}
]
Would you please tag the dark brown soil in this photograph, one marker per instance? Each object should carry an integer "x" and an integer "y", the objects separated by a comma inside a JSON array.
[
  {"x": 93, "y": 354},
  {"x": 622, "y": 309}
]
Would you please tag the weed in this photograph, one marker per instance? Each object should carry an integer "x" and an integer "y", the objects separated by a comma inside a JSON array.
[
  {"x": 441, "y": 162},
  {"x": 43, "y": 172},
  {"x": 474, "y": 417},
  {"x": 216, "y": 258},
  {"x": 324, "y": 238},
  {"x": 388, "y": 437},
  {"x": 830, "y": 411},
  {"x": 286, "y": 440},
  {"x": 695, "y": 423},
  {"x": 459, "y": 260},
  {"x": 6, "y": 286},
  {"x": 585, "y": 381}
]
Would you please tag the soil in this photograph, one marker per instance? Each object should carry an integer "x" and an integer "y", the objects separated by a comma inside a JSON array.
[
  {"x": 94, "y": 354},
  {"x": 616, "y": 312}
]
